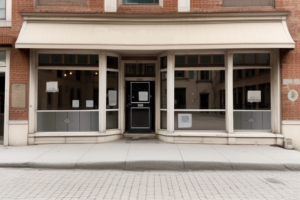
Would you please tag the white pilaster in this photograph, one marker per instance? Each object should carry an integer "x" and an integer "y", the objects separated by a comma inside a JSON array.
[
  {"x": 170, "y": 92},
  {"x": 157, "y": 95},
  {"x": 32, "y": 91},
  {"x": 6, "y": 100},
  {"x": 102, "y": 93},
  {"x": 275, "y": 92},
  {"x": 229, "y": 91}
]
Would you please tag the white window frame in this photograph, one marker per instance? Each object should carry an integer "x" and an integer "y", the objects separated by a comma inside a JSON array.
[
  {"x": 7, "y": 21},
  {"x": 33, "y": 91},
  {"x": 275, "y": 88}
]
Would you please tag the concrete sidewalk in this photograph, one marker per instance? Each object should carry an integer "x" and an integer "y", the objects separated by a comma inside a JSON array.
[{"x": 150, "y": 154}]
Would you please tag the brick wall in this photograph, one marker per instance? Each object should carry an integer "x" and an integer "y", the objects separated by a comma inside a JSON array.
[{"x": 290, "y": 58}]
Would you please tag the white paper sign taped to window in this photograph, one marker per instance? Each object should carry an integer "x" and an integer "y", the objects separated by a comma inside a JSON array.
[
  {"x": 75, "y": 104},
  {"x": 254, "y": 96},
  {"x": 184, "y": 120},
  {"x": 89, "y": 103},
  {"x": 112, "y": 97},
  {"x": 52, "y": 86},
  {"x": 143, "y": 96}
]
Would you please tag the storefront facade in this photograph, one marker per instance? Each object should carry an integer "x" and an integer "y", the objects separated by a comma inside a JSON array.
[
  {"x": 196, "y": 85},
  {"x": 85, "y": 76}
]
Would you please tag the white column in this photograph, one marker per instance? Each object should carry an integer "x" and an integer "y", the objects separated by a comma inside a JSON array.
[
  {"x": 170, "y": 92},
  {"x": 157, "y": 96},
  {"x": 102, "y": 93},
  {"x": 275, "y": 93},
  {"x": 32, "y": 94},
  {"x": 229, "y": 91},
  {"x": 6, "y": 100},
  {"x": 122, "y": 95}
]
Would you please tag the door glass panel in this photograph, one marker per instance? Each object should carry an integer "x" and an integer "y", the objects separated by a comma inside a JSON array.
[
  {"x": 140, "y": 92},
  {"x": 140, "y": 117}
]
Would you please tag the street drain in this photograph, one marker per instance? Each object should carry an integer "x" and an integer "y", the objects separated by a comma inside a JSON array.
[{"x": 274, "y": 180}]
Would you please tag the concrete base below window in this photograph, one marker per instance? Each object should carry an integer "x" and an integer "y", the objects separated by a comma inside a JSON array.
[
  {"x": 291, "y": 129},
  {"x": 18, "y": 132},
  {"x": 90, "y": 138},
  {"x": 224, "y": 138}
]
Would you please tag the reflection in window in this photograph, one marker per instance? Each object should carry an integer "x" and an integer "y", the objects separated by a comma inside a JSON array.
[
  {"x": 63, "y": 100},
  {"x": 193, "y": 93},
  {"x": 199, "y": 60},
  {"x": 163, "y": 90},
  {"x": 163, "y": 62},
  {"x": 179, "y": 74},
  {"x": 251, "y": 59},
  {"x": 258, "y": 87}
]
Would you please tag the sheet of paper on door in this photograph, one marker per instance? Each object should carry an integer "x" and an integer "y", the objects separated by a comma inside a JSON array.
[
  {"x": 112, "y": 97},
  {"x": 75, "y": 104},
  {"x": 89, "y": 103},
  {"x": 184, "y": 120},
  {"x": 143, "y": 96},
  {"x": 254, "y": 96}
]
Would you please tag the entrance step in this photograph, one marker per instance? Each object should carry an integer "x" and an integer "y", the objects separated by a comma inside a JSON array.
[{"x": 137, "y": 136}]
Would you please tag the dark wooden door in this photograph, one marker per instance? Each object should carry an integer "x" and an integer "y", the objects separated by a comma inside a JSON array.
[{"x": 140, "y": 106}]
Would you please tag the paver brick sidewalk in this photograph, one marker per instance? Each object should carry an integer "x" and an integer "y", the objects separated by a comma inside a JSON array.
[{"x": 151, "y": 154}]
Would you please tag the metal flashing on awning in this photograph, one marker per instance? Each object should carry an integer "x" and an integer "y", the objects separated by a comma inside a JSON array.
[{"x": 231, "y": 31}]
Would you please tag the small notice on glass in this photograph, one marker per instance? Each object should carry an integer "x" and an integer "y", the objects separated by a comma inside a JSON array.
[
  {"x": 89, "y": 103},
  {"x": 75, "y": 103},
  {"x": 112, "y": 97},
  {"x": 184, "y": 120},
  {"x": 52, "y": 86},
  {"x": 254, "y": 96},
  {"x": 143, "y": 96}
]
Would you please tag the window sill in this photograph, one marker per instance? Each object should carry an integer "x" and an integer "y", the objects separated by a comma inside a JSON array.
[{"x": 5, "y": 23}]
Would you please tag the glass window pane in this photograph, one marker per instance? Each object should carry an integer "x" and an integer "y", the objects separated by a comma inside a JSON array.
[
  {"x": 2, "y": 4},
  {"x": 163, "y": 62},
  {"x": 70, "y": 59},
  {"x": 263, "y": 58},
  {"x": 85, "y": 121},
  {"x": 112, "y": 62},
  {"x": 2, "y": 57},
  {"x": 112, "y": 94},
  {"x": 163, "y": 120},
  {"x": 163, "y": 90},
  {"x": 2, "y": 14},
  {"x": 56, "y": 59},
  {"x": 44, "y": 59},
  {"x": 112, "y": 120},
  {"x": 205, "y": 59},
  {"x": 218, "y": 59},
  {"x": 200, "y": 121},
  {"x": 94, "y": 60},
  {"x": 70, "y": 83},
  {"x": 250, "y": 59},
  {"x": 203, "y": 91},
  {"x": 82, "y": 59},
  {"x": 259, "y": 82},
  {"x": 238, "y": 59},
  {"x": 258, "y": 120},
  {"x": 179, "y": 60},
  {"x": 193, "y": 60}
]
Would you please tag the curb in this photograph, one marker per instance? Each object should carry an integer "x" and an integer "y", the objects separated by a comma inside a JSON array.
[{"x": 159, "y": 165}]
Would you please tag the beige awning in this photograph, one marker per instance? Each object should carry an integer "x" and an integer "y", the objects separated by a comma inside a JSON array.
[{"x": 217, "y": 31}]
